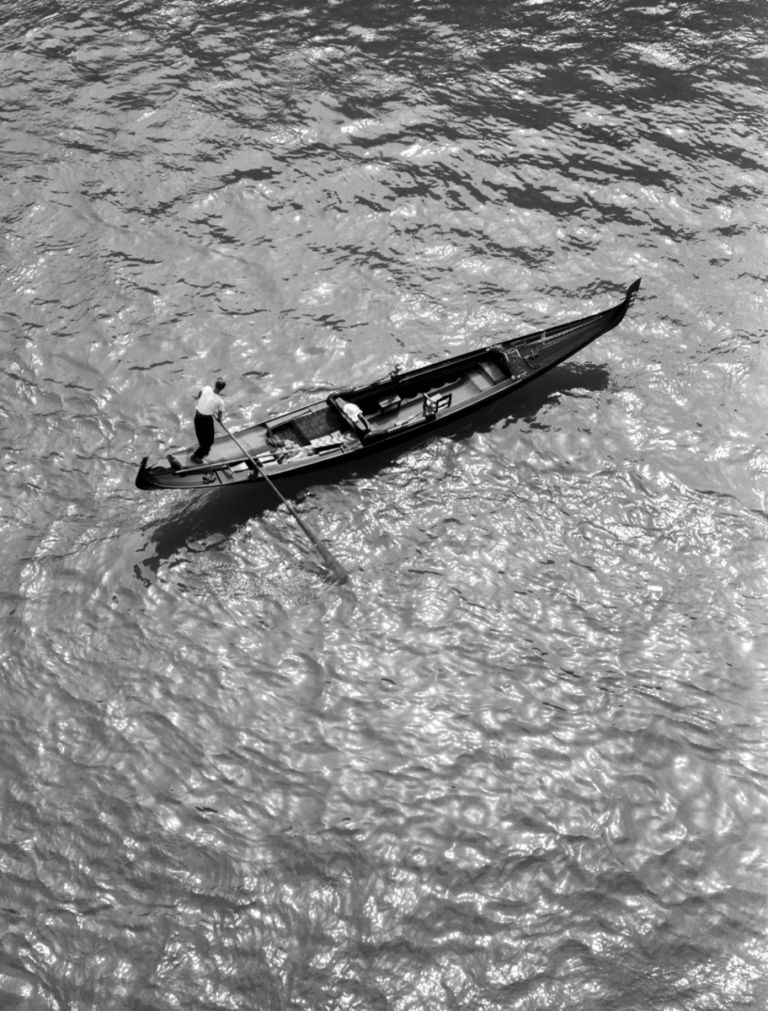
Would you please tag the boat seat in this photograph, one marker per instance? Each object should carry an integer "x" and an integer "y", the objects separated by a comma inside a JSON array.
[
  {"x": 515, "y": 362},
  {"x": 390, "y": 404},
  {"x": 434, "y": 404},
  {"x": 490, "y": 372}
]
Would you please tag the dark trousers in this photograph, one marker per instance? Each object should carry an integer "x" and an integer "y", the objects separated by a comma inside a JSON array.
[{"x": 204, "y": 433}]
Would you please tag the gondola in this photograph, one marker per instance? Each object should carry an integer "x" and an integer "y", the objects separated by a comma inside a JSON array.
[{"x": 358, "y": 421}]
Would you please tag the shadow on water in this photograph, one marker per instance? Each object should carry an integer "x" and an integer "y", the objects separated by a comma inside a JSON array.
[{"x": 221, "y": 514}]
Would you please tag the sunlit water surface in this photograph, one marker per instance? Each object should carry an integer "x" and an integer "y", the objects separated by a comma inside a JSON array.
[{"x": 518, "y": 762}]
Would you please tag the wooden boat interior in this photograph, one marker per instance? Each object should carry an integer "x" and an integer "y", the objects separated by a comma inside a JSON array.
[
  {"x": 424, "y": 393},
  {"x": 376, "y": 410}
]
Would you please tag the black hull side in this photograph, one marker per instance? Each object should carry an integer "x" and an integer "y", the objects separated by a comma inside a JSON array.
[{"x": 141, "y": 478}]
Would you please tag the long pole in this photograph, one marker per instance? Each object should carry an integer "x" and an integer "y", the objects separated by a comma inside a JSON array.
[{"x": 337, "y": 570}]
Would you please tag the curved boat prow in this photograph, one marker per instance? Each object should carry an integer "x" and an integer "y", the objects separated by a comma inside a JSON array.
[
  {"x": 617, "y": 314},
  {"x": 632, "y": 291}
]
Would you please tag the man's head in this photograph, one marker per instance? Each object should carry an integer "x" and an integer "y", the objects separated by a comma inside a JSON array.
[{"x": 219, "y": 385}]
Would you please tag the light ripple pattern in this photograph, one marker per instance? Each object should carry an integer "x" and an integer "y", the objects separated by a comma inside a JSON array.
[{"x": 519, "y": 762}]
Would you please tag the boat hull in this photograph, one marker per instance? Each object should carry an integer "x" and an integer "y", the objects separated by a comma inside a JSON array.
[{"x": 358, "y": 421}]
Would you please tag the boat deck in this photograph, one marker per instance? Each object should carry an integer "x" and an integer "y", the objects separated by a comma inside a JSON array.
[
  {"x": 395, "y": 412},
  {"x": 323, "y": 428}
]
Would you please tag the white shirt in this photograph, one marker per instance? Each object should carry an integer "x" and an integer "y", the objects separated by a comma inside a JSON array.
[
  {"x": 355, "y": 414},
  {"x": 352, "y": 411},
  {"x": 209, "y": 402}
]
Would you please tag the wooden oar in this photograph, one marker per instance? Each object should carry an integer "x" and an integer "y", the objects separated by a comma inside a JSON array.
[{"x": 337, "y": 570}]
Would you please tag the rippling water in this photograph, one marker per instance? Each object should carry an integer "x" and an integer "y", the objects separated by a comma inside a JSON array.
[{"x": 519, "y": 762}]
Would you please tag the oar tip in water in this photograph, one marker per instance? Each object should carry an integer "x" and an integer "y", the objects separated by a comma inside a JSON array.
[
  {"x": 336, "y": 570},
  {"x": 338, "y": 573}
]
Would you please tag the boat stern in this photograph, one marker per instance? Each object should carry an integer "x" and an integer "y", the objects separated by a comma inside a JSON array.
[
  {"x": 152, "y": 478},
  {"x": 142, "y": 480}
]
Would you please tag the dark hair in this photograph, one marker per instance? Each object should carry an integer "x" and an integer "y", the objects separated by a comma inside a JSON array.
[{"x": 219, "y": 384}]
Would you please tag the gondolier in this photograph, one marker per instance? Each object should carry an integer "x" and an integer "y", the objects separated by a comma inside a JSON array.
[{"x": 209, "y": 406}]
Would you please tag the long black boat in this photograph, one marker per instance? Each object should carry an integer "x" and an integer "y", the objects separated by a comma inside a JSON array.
[{"x": 357, "y": 421}]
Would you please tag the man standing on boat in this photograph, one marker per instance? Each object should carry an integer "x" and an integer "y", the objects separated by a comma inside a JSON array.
[{"x": 209, "y": 406}]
